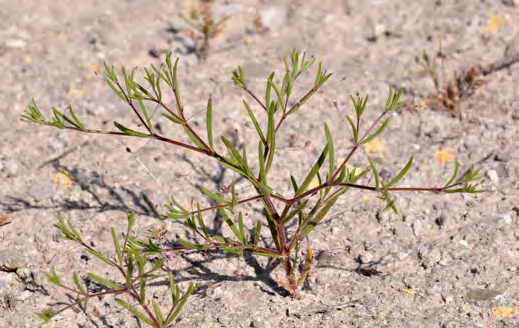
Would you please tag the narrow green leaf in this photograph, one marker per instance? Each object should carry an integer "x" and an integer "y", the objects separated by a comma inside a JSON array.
[
  {"x": 400, "y": 175},
  {"x": 117, "y": 246},
  {"x": 46, "y": 315},
  {"x": 209, "y": 121},
  {"x": 272, "y": 226},
  {"x": 146, "y": 115},
  {"x": 233, "y": 151},
  {"x": 214, "y": 196},
  {"x": 295, "y": 212},
  {"x": 242, "y": 229},
  {"x": 101, "y": 257},
  {"x": 173, "y": 119},
  {"x": 355, "y": 134},
  {"x": 280, "y": 97},
  {"x": 389, "y": 98},
  {"x": 180, "y": 304},
  {"x": 130, "y": 132},
  {"x": 269, "y": 87},
  {"x": 342, "y": 175},
  {"x": 254, "y": 121},
  {"x": 271, "y": 139},
  {"x": 174, "y": 295},
  {"x": 129, "y": 272},
  {"x": 104, "y": 281},
  {"x": 52, "y": 277},
  {"x": 117, "y": 92},
  {"x": 76, "y": 233},
  {"x": 188, "y": 244},
  {"x": 177, "y": 204},
  {"x": 135, "y": 312},
  {"x": 263, "y": 173},
  {"x": 377, "y": 133},
  {"x": 142, "y": 289},
  {"x": 131, "y": 221},
  {"x": 245, "y": 163},
  {"x": 312, "y": 224},
  {"x": 375, "y": 174},
  {"x": 78, "y": 123},
  {"x": 175, "y": 84},
  {"x": 201, "y": 222},
  {"x": 455, "y": 174},
  {"x": 234, "y": 199},
  {"x": 194, "y": 139},
  {"x": 158, "y": 313},
  {"x": 230, "y": 223},
  {"x": 257, "y": 234},
  {"x": 235, "y": 169},
  {"x": 78, "y": 284},
  {"x": 314, "y": 209},
  {"x": 331, "y": 156},
  {"x": 294, "y": 184},
  {"x": 313, "y": 171}
]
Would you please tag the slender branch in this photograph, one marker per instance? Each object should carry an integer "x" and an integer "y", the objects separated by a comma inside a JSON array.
[
  {"x": 250, "y": 248},
  {"x": 357, "y": 186},
  {"x": 282, "y": 238},
  {"x": 357, "y": 145},
  {"x": 246, "y": 200},
  {"x": 180, "y": 144},
  {"x": 137, "y": 297},
  {"x": 302, "y": 100},
  {"x": 256, "y": 99},
  {"x": 71, "y": 305},
  {"x": 339, "y": 169},
  {"x": 130, "y": 103}
]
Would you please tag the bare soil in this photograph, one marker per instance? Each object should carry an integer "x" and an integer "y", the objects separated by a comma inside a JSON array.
[{"x": 442, "y": 261}]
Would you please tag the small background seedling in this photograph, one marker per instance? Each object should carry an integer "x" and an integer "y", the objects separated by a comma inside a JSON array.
[{"x": 449, "y": 94}]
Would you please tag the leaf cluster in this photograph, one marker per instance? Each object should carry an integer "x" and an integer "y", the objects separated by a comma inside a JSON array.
[{"x": 137, "y": 270}]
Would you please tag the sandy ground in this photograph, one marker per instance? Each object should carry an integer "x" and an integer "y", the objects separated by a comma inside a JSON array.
[{"x": 443, "y": 261}]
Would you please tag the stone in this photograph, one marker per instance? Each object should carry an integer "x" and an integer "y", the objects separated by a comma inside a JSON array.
[
  {"x": 482, "y": 294},
  {"x": 366, "y": 257},
  {"x": 12, "y": 259},
  {"x": 505, "y": 218},
  {"x": 492, "y": 175},
  {"x": 512, "y": 48},
  {"x": 402, "y": 230},
  {"x": 15, "y": 43},
  {"x": 25, "y": 274},
  {"x": 417, "y": 227},
  {"x": 272, "y": 17}
]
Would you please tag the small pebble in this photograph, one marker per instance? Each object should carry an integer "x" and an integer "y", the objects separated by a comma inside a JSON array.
[
  {"x": 272, "y": 17},
  {"x": 24, "y": 274},
  {"x": 417, "y": 227},
  {"x": 448, "y": 298},
  {"x": 366, "y": 258},
  {"x": 15, "y": 43},
  {"x": 402, "y": 230},
  {"x": 482, "y": 294},
  {"x": 463, "y": 243},
  {"x": 492, "y": 175}
]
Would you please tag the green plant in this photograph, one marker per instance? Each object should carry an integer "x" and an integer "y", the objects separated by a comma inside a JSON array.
[
  {"x": 306, "y": 207},
  {"x": 449, "y": 95},
  {"x": 203, "y": 27},
  {"x": 137, "y": 272}
]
